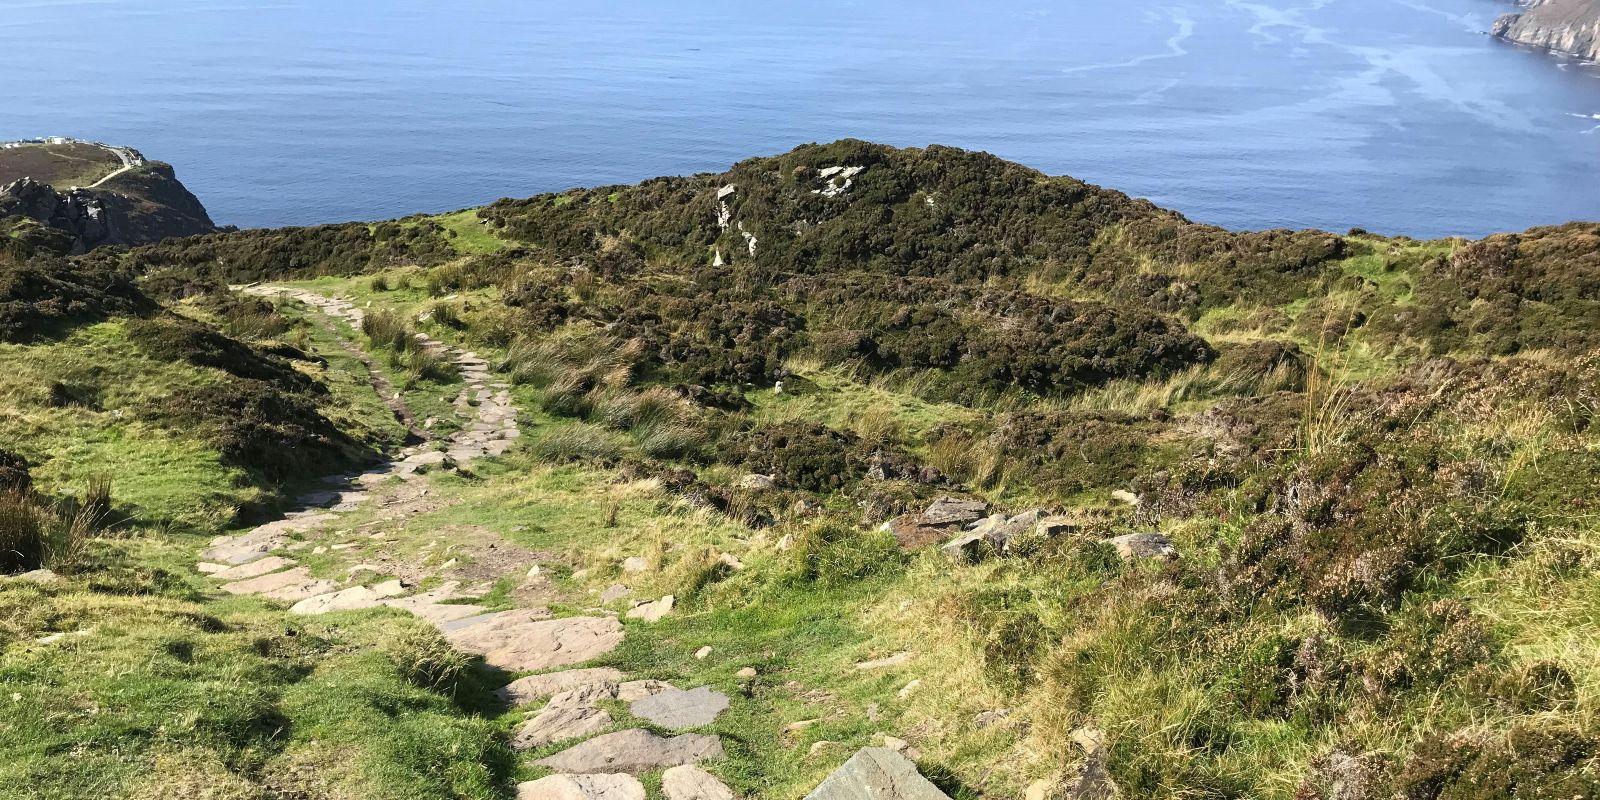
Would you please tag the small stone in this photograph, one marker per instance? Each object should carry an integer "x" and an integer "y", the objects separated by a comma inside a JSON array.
[
  {"x": 728, "y": 560},
  {"x": 689, "y": 782},
  {"x": 786, "y": 543},
  {"x": 747, "y": 672},
  {"x": 1042, "y": 789},
  {"x": 909, "y": 688},
  {"x": 702, "y": 653},
  {"x": 873, "y": 712},
  {"x": 1125, "y": 496},
  {"x": 985, "y": 719},
  {"x": 613, "y": 593},
  {"x": 534, "y": 571},
  {"x": 819, "y": 746},
  {"x": 635, "y": 564}
]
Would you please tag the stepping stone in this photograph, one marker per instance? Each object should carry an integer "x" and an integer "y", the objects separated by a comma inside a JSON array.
[
  {"x": 689, "y": 782},
  {"x": 556, "y": 724},
  {"x": 484, "y": 618},
  {"x": 632, "y": 691},
  {"x": 524, "y": 641},
  {"x": 261, "y": 541},
  {"x": 654, "y": 610},
  {"x": 288, "y": 586},
  {"x": 633, "y": 751},
  {"x": 536, "y": 687},
  {"x": 344, "y": 600},
  {"x": 682, "y": 709},
  {"x": 877, "y": 773},
  {"x": 582, "y": 787},
  {"x": 256, "y": 568},
  {"x": 583, "y": 696},
  {"x": 209, "y": 567}
]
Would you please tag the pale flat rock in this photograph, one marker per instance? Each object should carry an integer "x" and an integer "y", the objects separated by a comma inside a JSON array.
[
  {"x": 613, "y": 593},
  {"x": 631, "y": 691},
  {"x": 356, "y": 597},
  {"x": 654, "y": 610},
  {"x": 252, "y": 569},
  {"x": 557, "y": 724},
  {"x": 877, "y": 773},
  {"x": 583, "y": 696},
  {"x": 262, "y": 540},
  {"x": 582, "y": 787},
  {"x": 635, "y": 564},
  {"x": 525, "y": 642},
  {"x": 288, "y": 586},
  {"x": 689, "y": 782},
  {"x": 898, "y": 659},
  {"x": 680, "y": 709},
  {"x": 633, "y": 751},
  {"x": 209, "y": 567},
  {"x": 390, "y": 588},
  {"x": 537, "y": 687}
]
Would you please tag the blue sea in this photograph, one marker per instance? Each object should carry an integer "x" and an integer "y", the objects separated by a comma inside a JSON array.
[{"x": 1395, "y": 115}]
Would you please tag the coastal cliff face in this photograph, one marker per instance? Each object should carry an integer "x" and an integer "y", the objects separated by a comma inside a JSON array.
[
  {"x": 1567, "y": 26},
  {"x": 142, "y": 206}
]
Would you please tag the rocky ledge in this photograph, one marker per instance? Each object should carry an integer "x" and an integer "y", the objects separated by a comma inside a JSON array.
[
  {"x": 1567, "y": 26},
  {"x": 141, "y": 206}
]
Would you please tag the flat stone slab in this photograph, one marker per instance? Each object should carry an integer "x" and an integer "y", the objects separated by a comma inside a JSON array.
[
  {"x": 583, "y": 696},
  {"x": 522, "y": 642},
  {"x": 630, "y": 691},
  {"x": 689, "y": 782},
  {"x": 1135, "y": 546},
  {"x": 252, "y": 569},
  {"x": 264, "y": 539},
  {"x": 538, "y": 687},
  {"x": 877, "y": 773},
  {"x": 582, "y": 787},
  {"x": 557, "y": 724},
  {"x": 633, "y": 751},
  {"x": 289, "y": 586},
  {"x": 356, "y": 597},
  {"x": 681, "y": 708}
]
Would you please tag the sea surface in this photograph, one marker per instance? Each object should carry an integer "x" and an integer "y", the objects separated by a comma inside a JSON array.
[{"x": 1399, "y": 116}]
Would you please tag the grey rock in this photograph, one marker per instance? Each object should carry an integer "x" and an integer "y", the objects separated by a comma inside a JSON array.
[
  {"x": 877, "y": 773},
  {"x": 680, "y": 708},
  {"x": 689, "y": 782},
  {"x": 582, "y": 787},
  {"x": 613, "y": 593},
  {"x": 633, "y": 751},
  {"x": 583, "y": 696},
  {"x": 556, "y": 724},
  {"x": 1135, "y": 546},
  {"x": 654, "y": 610},
  {"x": 537, "y": 687}
]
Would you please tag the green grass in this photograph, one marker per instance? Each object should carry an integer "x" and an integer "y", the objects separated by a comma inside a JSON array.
[{"x": 472, "y": 237}]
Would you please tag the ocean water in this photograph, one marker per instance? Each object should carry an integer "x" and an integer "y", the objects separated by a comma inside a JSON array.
[{"x": 1394, "y": 115}]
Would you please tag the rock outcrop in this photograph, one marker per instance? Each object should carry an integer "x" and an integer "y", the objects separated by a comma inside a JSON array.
[
  {"x": 1567, "y": 26},
  {"x": 142, "y": 206}
]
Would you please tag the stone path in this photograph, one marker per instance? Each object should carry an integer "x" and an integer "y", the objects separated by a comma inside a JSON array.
[{"x": 601, "y": 765}]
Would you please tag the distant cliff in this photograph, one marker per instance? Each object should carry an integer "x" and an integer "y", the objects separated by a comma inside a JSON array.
[
  {"x": 1568, "y": 26},
  {"x": 142, "y": 205}
]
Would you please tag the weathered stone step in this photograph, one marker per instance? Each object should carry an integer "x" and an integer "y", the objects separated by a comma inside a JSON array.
[{"x": 633, "y": 751}]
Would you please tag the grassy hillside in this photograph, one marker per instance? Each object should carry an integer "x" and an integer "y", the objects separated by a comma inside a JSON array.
[{"x": 1373, "y": 460}]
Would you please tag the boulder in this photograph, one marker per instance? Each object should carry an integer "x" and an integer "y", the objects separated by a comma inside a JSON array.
[
  {"x": 582, "y": 787},
  {"x": 538, "y": 687},
  {"x": 877, "y": 773},
  {"x": 945, "y": 516},
  {"x": 653, "y": 610},
  {"x": 968, "y": 548},
  {"x": 555, "y": 724},
  {"x": 688, "y": 782},
  {"x": 633, "y": 751},
  {"x": 756, "y": 482},
  {"x": 679, "y": 708},
  {"x": 1134, "y": 546}
]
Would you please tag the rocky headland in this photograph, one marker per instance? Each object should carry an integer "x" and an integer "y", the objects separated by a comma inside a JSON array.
[{"x": 1566, "y": 26}]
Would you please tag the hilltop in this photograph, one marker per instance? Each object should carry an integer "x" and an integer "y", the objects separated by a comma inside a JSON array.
[
  {"x": 71, "y": 196},
  {"x": 847, "y": 462}
]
